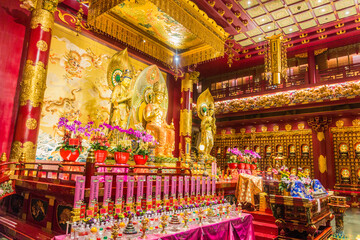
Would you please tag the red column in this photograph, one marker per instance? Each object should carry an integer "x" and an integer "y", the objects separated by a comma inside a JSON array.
[
  {"x": 311, "y": 67},
  {"x": 321, "y": 149},
  {"x": 33, "y": 82}
]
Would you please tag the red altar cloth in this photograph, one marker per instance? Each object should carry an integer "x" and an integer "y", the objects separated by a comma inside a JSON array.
[{"x": 229, "y": 229}]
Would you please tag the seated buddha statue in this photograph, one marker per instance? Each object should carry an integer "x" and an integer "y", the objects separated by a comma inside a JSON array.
[{"x": 155, "y": 122}]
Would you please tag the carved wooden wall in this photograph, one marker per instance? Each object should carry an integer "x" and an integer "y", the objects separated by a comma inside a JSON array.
[
  {"x": 347, "y": 153},
  {"x": 291, "y": 141}
]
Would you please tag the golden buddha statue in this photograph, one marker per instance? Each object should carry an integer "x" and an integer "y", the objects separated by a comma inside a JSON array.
[
  {"x": 121, "y": 101},
  {"x": 119, "y": 76},
  {"x": 206, "y": 111},
  {"x": 155, "y": 121}
]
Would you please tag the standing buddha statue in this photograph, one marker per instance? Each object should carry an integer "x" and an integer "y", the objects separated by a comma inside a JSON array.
[{"x": 206, "y": 112}]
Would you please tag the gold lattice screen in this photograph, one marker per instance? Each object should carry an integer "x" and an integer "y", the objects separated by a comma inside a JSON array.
[
  {"x": 294, "y": 145},
  {"x": 347, "y": 152}
]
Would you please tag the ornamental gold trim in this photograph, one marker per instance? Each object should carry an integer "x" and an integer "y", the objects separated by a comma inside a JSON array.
[
  {"x": 33, "y": 84},
  {"x": 28, "y": 148},
  {"x": 42, "y": 18},
  {"x": 42, "y": 45},
  {"x": 31, "y": 123}
]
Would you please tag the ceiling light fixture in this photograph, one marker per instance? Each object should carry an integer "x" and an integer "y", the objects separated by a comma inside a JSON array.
[
  {"x": 249, "y": 2},
  {"x": 290, "y": 29},
  {"x": 323, "y": 10},
  {"x": 347, "y": 12},
  {"x": 319, "y": 1},
  {"x": 263, "y": 19},
  {"x": 269, "y": 27}
]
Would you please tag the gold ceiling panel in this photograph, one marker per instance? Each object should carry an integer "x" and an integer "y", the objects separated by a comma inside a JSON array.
[
  {"x": 299, "y": 7},
  {"x": 273, "y": 5},
  {"x": 246, "y": 43},
  {"x": 344, "y": 4},
  {"x": 308, "y": 24},
  {"x": 262, "y": 20},
  {"x": 288, "y": 2},
  {"x": 240, "y": 37},
  {"x": 248, "y": 3},
  {"x": 323, "y": 10},
  {"x": 257, "y": 11},
  {"x": 303, "y": 16},
  {"x": 253, "y": 32},
  {"x": 268, "y": 27},
  {"x": 168, "y": 27},
  {"x": 280, "y": 14},
  {"x": 347, "y": 12},
  {"x": 285, "y": 22},
  {"x": 291, "y": 29},
  {"x": 316, "y": 3},
  {"x": 327, "y": 18},
  {"x": 259, "y": 38}
]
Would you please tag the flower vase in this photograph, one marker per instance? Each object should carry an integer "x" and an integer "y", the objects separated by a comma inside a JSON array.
[
  {"x": 247, "y": 166},
  {"x": 253, "y": 166},
  {"x": 286, "y": 193},
  {"x": 68, "y": 155},
  {"x": 121, "y": 157},
  {"x": 100, "y": 156},
  {"x": 140, "y": 159},
  {"x": 239, "y": 165}
]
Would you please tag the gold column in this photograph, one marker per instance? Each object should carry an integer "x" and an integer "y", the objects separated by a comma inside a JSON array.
[{"x": 186, "y": 114}]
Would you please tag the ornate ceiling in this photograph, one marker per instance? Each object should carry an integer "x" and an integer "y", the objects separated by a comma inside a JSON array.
[
  {"x": 305, "y": 24},
  {"x": 202, "y": 30}
]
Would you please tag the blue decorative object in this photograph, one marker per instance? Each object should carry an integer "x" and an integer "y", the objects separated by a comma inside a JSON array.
[
  {"x": 318, "y": 187},
  {"x": 297, "y": 189}
]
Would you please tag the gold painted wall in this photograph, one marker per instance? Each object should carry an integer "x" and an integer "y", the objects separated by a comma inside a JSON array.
[{"x": 76, "y": 85}]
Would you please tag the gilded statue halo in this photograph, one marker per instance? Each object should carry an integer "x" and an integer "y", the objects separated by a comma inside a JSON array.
[
  {"x": 204, "y": 103},
  {"x": 119, "y": 63}
]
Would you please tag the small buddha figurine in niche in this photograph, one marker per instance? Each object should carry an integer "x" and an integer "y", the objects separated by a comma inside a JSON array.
[
  {"x": 280, "y": 150},
  {"x": 307, "y": 172},
  {"x": 305, "y": 150},
  {"x": 268, "y": 151},
  {"x": 357, "y": 150},
  {"x": 257, "y": 149},
  {"x": 292, "y": 150},
  {"x": 345, "y": 176},
  {"x": 343, "y": 150},
  {"x": 358, "y": 175},
  {"x": 293, "y": 171}
]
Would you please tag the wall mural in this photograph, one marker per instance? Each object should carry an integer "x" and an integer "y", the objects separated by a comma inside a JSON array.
[{"x": 76, "y": 86}]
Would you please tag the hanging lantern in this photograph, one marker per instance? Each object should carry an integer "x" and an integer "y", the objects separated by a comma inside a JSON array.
[{"x": 275, "y": 60}]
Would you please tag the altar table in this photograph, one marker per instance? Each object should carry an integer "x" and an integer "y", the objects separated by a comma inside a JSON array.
[{"x": 228, "y": 229}]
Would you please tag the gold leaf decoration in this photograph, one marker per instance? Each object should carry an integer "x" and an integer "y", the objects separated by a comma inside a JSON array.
[
  {"x": 320, "y": 136},
  {"x": 17, "y": 148},
  {"x": 301, "y": 126},
  {"x": 356, "y": 122},
  {"x": 42, "y": 45},
  {"x": 264, "y": 128},
  {"x": 288, "y": 127},
  {"x": 31, "y": 123},
  {"x": 276, "y": 128},
  {"x": 322, "y": 164},
  {"x": 339, "y": 123}
]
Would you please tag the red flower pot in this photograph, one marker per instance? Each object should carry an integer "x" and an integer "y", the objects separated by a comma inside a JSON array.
[
  {"x": 232, "y": 165},
  {"x": 121, "y": 157},
  {"x": 242, "y": 165},
  {"x": 68, "y": 155},
  {"x": 247, "y": 166},
  {"x": 100, "y": 156},
  {"x": 140, "y": 159},
  {"x": 253, "y": 166},
  {"x": 239, "y": 165}
]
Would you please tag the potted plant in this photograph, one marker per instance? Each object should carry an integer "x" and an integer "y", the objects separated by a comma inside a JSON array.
[
  {"x": 100, "y": 146},
  {"x": 121, "y": 153},
  {"x": 232, "y": 162},
  {"x": 141, "y": 154},
  {"x": 71, "y": 144}
]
